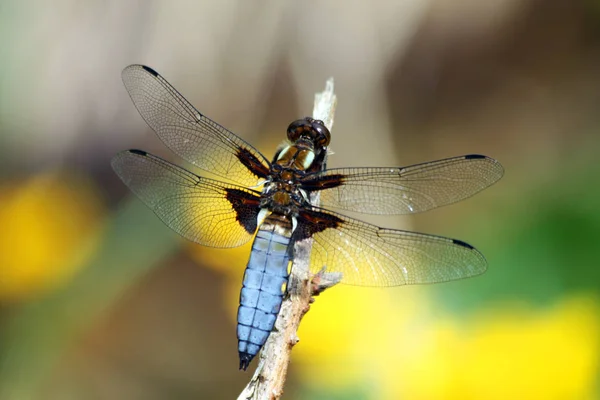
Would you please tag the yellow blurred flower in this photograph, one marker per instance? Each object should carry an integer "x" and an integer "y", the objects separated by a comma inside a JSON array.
[
  {"x": 395, "y": 343},
  {"x": 231, "y": 263},
  {"x": 390, "y": 350},
  {"x": 50, "y": 226}
]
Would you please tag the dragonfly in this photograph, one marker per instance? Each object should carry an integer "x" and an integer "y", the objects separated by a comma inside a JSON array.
[{"x": 269, "y": 201}]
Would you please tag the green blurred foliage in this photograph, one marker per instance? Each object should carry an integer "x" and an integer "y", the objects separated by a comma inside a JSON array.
[{"x": 543, "y": 246}]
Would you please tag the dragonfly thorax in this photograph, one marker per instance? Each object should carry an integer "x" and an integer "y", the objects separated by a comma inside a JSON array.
[
  {"x": 308, "y": 140},
  {"x": 282, "y": 197},
  {"x": 299, "y": 157}
]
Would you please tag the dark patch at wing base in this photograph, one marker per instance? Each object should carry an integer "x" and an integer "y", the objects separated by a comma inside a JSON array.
[
  {"x": 252, "y": 163},
  {"x": 367, "y": 255},
  {"x": 323, "y": 182},
  {"x": 404, "y": 190},
  {"x": 246, "y": 208},
  {"x": 198, "y": 208},
  {"x": 189, "y": 133},
  {"x": 313, "y": 222}
]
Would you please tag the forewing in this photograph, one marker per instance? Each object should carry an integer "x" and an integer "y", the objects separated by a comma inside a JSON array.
[
  {"x": 206, "y": 211},
  {"x": 405, "y": 190},
  {"x": 367, "y": 255},
  {"x": 187, "y": 132}
]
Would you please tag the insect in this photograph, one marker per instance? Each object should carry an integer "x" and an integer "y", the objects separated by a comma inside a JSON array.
[{"x": 269, "y": 200}]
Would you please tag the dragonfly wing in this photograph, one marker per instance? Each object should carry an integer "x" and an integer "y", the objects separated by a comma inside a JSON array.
[
  {"x": 367, "y": 255},
  {"x": 206, "y": 211},
  {"x": 404, "y": 190},
  {"x": 191, "y": 135}
]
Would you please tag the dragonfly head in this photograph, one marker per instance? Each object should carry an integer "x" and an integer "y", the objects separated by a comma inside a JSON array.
[{"x": 309, "y": 129}]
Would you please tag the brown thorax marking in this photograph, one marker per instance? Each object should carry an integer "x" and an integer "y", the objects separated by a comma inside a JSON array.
[
  {"x": 308, "y": 139},
  {"x": 282, "y": 198},
  {"x": 282, "y": 194},
  {"x": 298, "y": 156}
]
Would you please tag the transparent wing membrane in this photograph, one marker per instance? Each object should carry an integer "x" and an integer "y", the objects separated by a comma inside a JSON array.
[
  {"x": 367, "y": 255},
  {"x": 197, "y": 208},
  {"x": 405, "y": 190},
  {"x": 187, "y": 132},
  {"x": 218, "y": 214}
]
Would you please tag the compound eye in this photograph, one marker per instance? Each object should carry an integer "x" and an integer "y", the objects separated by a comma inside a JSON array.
[
  {"x": 296, "y": 129},
  {"x": 323, "y": 136}
]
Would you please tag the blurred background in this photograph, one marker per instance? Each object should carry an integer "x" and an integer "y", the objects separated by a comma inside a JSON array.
[{"x": 99, "y": 300}]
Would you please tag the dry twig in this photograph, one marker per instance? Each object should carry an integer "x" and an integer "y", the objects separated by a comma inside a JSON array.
[{"x": 270, "y": 374}]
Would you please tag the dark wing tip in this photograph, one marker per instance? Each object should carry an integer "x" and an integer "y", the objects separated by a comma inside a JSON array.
[
  {"x": 463, "y": 244},
  {"x": 150, "y": 70},
  {"x": 478, "y": 263},
  {"x": 138, "y": 152},
  {"x": 245, "y": 359},
  {"x": 128, "y": 68},
  {"x": 499, "y": 169},
  {"x": 474, "y": 156},
  {"x": 117, "y": 161}
]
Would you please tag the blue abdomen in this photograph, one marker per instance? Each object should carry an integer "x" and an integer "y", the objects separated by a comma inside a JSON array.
[{"x": 262, "y": 292}]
